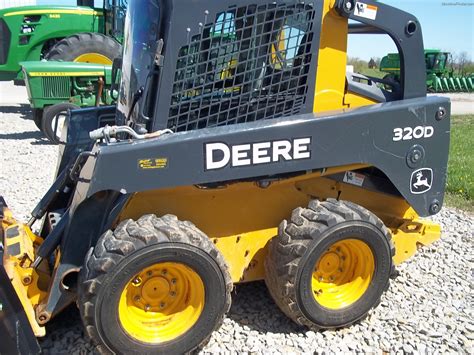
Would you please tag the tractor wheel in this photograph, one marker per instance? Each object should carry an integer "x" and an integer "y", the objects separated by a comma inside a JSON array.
[
  {"x": 38, "y": 117},
  {"x": 53, "y": 120},
  {"x": 155, "y": 285},
  {"x": 86, "y": 48},
  {"x": 330, "y": 264}
]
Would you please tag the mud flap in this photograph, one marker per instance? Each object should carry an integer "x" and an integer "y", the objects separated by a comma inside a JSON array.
[{"x": 17, "y": 337}]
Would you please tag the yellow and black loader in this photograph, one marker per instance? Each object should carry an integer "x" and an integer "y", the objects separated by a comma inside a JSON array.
[{"x": 239, "y": 150}]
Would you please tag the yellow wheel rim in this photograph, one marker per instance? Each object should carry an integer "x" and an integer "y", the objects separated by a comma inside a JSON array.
[
  {"x": 93, "y": 58},
  {"x": 161, "y": 303},
  {"x": 343, "y": 274}
]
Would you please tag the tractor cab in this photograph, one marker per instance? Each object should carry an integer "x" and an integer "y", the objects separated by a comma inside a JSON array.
[{"x": 436, "y": 61}]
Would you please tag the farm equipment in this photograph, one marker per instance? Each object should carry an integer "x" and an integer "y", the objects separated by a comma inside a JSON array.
[
  {"x": 54, "y": 88},
  {"x": 239, "y": 150},
  {"x": 60, "y": 33},
  {"x": 440, "y": 78}
]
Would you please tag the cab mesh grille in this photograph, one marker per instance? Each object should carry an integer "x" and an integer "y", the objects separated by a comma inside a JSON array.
[{"x": 251, "y": 64}]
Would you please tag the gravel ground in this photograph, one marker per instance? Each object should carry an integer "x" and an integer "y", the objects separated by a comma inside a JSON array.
[{"x": 428, "y": 308}]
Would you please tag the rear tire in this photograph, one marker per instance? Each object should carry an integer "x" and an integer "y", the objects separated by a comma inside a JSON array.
[
  {"x": 330, "y": 264},
  {"x": 54, "y": 118},
  {"x": 86, "y": 47},
  {"x": 121, "y": 265}
]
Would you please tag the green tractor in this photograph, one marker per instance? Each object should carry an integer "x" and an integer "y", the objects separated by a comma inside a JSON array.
[
  {"x": 79, "y": 33},
  {"x": 439, "y": 76},
  {"x": 55, "y": 88}
]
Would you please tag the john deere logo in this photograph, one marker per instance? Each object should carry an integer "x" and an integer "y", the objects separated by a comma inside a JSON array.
[{"x": 421, "y": 181}]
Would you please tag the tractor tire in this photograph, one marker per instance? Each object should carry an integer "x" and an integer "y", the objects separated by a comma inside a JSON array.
[
  {"x": 53, "y": 120},
  {"x": 314, "y": 270},
  {"x": 155, "y": 285},
  {"x": 86, "y": 47},
  {"x": 38, "y": 117}
]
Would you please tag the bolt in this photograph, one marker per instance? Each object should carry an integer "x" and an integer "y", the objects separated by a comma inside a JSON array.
[
  {"x": 147, "y": 307},
  {"x": 172, "y": 293},
  {"x": 340, "y": 269},
  {"x": 42, "y": 318},
  {"x": 435, "y": 207},
  {"x": 149, "y": 273},
  {"x": 441, "y": 113},
  {"x": 136, "y": 298},
  {"x": 343, "y": 258},
  {"x": 162, "y": 305},
  {"x": 320, "y": 278},
  {"x": 27, "y": 280},
  {"x": 164, "y": 272},
  {"x": 348, "y": 5},
  {"x": 331, "y": 278},
  {"x": 173, "y": 281},
  {"x": 136, "y": 281},
  {"x": 338, "y": 249}
]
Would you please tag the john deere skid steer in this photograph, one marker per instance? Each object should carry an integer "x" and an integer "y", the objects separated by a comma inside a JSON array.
[{"x": 239, "y": 151}]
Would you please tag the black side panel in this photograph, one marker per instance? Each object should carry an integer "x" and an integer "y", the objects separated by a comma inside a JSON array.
[
  {"x": 5, "y": 40},
  {"x": 15, "y": 331},
  {"x": 227, "y": 64}
]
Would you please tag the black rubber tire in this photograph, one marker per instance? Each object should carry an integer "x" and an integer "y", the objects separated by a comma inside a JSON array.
[
  {"x": 301, "y": 241},
  {"x": 38, "y": 117},
  {"x": 48, "y": 120},
  {"x": 69, "y": 48},
  {"x": 120, "y": 254}
]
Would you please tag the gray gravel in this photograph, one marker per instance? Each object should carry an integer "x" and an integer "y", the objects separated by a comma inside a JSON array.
[{"x": 428, "y": 308}]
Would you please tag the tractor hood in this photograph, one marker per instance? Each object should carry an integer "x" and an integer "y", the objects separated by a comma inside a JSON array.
[
  {"x": 43, "y": 68},
  {"x": 48, "y": 10}
]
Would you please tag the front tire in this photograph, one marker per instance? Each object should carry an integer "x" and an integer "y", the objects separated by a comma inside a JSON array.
[
  {"x": 157, "y": 285},
  {"x": 330, "y": 264},
  {"x": 54, "y": 118}
]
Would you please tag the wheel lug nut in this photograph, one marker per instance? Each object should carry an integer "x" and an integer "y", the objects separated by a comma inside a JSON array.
[
  {"x": 172, "y": 293},
  {"x": 136, "y": 298},
  {"x": 343, "y": 258},
  {"x": 136, "y": 281},
  {"x": 340, "y": 269},
  {"x": 331, "y": 278},
  {"x": 147, "y": 307},
  {"x": 320, "y": 278},
  {"x": 149, "y": 273},
  {"x": 338, "y": 249},
  {"x": 164, "y": 272},
  {"x": 173, "y": 281},
  {"x": 162, "y": 305}
]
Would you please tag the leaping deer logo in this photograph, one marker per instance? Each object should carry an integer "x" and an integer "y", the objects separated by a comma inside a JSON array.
[{"x": 420, "y": 181}]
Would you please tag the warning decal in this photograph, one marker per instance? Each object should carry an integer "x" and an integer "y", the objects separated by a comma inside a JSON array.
[{"x": 366, "y": 11}]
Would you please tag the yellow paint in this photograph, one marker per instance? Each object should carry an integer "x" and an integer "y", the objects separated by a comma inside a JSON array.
[
  {"x": 93, "y": 58},
  {"x": 161, "y": 303},
  {"x": 343, "y": 274},
  {"x": 52, "y": 11},
  {"x": 30, "y": 285},
  {"x": 352, "y": 100},
  {"x": 82, "y": 73},
  {"x": 332, "y": 60}
]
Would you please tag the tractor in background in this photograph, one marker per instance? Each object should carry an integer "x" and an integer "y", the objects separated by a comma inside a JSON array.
[
  {"x": 54, "y": 88},
  {"x": 439, "y": 76},
  {"x": 79, "y": 33}
]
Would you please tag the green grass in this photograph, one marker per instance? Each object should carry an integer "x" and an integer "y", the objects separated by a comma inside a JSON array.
[{"x": 460, "y": 185}]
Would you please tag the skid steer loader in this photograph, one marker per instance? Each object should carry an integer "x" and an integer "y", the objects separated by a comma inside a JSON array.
[{"x": 239, "y": 150}]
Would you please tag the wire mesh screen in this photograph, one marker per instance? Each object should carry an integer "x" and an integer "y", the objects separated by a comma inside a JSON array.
[{"x": 250, "y": 64}]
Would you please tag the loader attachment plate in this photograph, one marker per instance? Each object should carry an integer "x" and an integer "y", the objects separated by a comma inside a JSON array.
[{"x": 15, "y": 329}]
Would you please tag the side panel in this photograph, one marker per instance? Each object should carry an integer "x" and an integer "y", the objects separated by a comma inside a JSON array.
[{"x": 368, "y": 135}]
